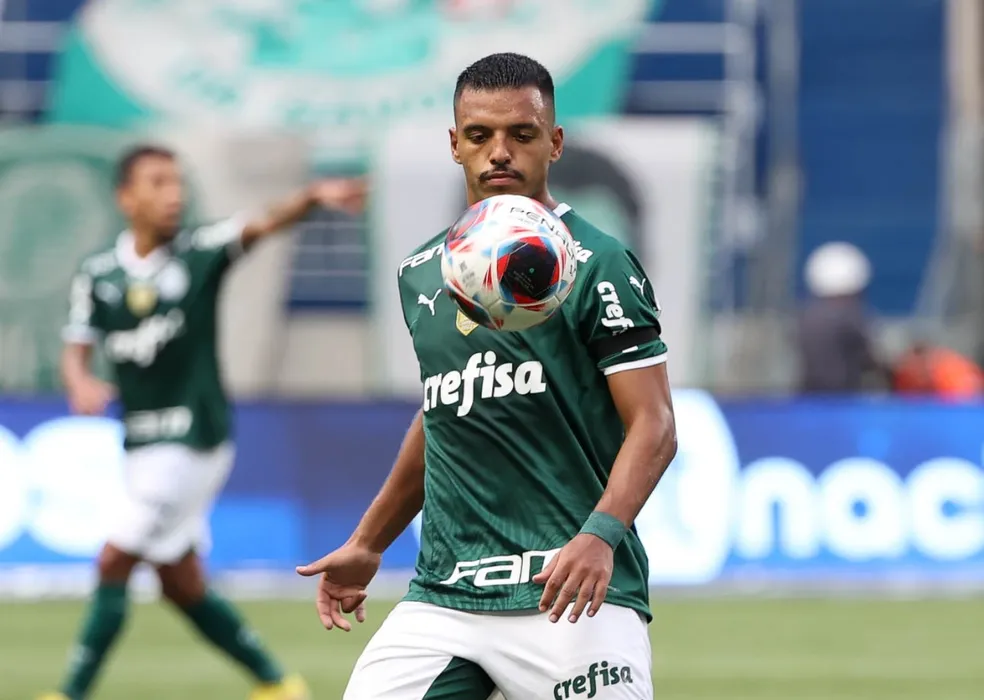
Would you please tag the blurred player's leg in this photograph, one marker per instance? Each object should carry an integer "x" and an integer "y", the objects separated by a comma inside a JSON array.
[
  {"x": 183, "y": 584},
  {"x": 187, "y": 482},
  {"x": 419, "y": 653},
  {"x": 104, "y": 621}
]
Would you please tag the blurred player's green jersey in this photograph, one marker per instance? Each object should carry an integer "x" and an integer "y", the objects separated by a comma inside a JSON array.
[
  {"x": 156, "y": 319},
  {"x": 521, "y": 431}
]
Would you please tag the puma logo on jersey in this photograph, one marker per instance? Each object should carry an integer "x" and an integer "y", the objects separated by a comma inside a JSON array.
[
  {"x": 142, "y": 344},
  {"x": 420, "y": 258},
  {"x": 614, "y": 315},
  {"x": 429, "y": 303},
  {"x": 641, "y": 286},
  {"x": 495, "y": 381}
]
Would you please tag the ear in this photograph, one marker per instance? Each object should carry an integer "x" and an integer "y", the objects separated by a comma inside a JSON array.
[
  {"x": 453, "y": 134},
  {"x": 557, "y": 144}
]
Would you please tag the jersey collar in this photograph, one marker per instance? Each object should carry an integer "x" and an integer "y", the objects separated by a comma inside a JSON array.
[
  {"x": 133, "y": 264},
  {"x": 562, "y": 209}
]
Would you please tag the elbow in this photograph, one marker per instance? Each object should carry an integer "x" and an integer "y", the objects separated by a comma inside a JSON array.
[
  {"x": 666, "y": 427},
  {"x": 657, "y": 427},
  {"x": 669, "y": 445}
]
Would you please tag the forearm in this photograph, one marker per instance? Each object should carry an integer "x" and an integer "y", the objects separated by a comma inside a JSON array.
[
  {"x": 401, "y": 497},
  {"x": 646, "y": 452},
  {"x": 75, "y": 365},
  {"x": 280, "y": 216}
]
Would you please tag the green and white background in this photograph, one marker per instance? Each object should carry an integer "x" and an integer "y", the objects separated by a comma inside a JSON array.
[
  {"x": 342, "y": 69},
  {"x": 259, "y": 96}
]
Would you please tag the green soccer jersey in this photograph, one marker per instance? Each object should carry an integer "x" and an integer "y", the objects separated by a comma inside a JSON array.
[
  {"x": 520, "y": 428},
  {"x": 156, "y": 319}
]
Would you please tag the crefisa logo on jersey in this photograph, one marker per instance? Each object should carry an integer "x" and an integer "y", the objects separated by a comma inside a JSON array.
[
  {"x": 482, "y": 378},
  {"x": 142, "y": 344}
]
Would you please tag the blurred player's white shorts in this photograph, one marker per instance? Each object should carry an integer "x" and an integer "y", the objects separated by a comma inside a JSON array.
[
  {"x": 169, "y": 491},
  {"x": 422, "y": 651}
]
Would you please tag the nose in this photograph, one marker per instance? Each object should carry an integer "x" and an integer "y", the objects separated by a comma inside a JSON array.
[{"x": 499, "y": 155}]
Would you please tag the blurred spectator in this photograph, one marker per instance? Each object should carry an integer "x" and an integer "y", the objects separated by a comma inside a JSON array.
[
  {"x": 936, "y": 371},
  {"x": 834, "y": 345}
]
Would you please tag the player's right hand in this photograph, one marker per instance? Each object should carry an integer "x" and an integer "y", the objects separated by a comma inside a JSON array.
[
  {"x": 89, "y": 396},
  {"x": 345, "y": 573}
]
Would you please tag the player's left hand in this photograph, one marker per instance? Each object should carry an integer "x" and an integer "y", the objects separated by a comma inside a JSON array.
[
  {"x": 344, "y": 194},
  {"x": 583, "y": 568}
]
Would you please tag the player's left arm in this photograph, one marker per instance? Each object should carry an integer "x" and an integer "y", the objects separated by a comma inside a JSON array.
[
  {"x": 620, "y": 326},
  {"x": 642, "y": 397},
  {"x": 219, "y": 244},
  {"x": 343, "y": 194}
]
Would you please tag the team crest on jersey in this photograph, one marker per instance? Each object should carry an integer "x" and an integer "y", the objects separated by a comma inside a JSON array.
[
  {"x": 141, "y": 298},
  {"x": 464, "y": 324}
]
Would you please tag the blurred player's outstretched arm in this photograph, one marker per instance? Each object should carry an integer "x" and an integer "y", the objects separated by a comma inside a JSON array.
[
  {"x": 347, "y": 571},
  {"x": 343, "y": 194}
]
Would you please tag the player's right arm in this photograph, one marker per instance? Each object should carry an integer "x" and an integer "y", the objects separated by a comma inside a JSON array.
[
  {"x": 400, "y": 498},
  {"x": 87, "y": 394},
  {"x": 347, "y": 571}
]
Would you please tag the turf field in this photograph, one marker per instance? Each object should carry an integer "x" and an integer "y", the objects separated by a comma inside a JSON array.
[{"x": 720, "y": 649}]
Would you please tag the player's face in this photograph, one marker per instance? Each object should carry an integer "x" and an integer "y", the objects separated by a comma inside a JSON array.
[
  {"x": 153, "y": 198},
  {"x": 505, "y": 140}
]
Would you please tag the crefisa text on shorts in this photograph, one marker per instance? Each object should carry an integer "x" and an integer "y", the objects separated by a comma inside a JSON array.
[{"x": 599, "y": 675}]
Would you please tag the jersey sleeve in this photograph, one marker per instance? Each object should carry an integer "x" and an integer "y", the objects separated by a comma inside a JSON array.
[
  {"x": 619, "y": 314},
  {"x": 82, "y": 326},
  {"x": 219, "y": 244}
]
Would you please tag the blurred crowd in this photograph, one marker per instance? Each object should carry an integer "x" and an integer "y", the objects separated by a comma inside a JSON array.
[{"x": 836, "y": 351}]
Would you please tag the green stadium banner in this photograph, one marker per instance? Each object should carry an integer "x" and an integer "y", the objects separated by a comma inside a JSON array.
[
  {"x": 56, "y": 205},
  {"x": 339, "y": 69}
]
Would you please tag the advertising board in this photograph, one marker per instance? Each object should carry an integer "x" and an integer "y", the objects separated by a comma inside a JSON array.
[{"x": 770, "y": 492}]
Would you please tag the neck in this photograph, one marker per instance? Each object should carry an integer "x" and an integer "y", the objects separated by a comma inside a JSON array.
[
  {"x": 546, "y": 200},
  {"x": 144, "y": 241}
]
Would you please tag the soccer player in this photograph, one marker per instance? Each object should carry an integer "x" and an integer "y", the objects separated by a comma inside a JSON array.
[
  {"x": 531, "y": 457},
  {"x": 151, "y": 300}
]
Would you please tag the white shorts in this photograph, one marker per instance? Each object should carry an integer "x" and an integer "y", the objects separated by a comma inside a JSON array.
[
  {"x": 424, "y": 652},
  {"x": 169, "y": 491}
]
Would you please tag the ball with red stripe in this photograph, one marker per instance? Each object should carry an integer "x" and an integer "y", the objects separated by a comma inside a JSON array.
[{"x": 509, "y": 263}]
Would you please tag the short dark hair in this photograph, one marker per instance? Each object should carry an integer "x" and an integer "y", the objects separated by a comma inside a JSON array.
[
  {"x": 505, "y": 71},
  {"x": 128, "y": 161}
]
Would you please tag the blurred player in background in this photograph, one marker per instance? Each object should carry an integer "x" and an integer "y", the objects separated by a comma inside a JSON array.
[
  {"x": 540, "y": 446},
  {"x": 151, "y": 300}
]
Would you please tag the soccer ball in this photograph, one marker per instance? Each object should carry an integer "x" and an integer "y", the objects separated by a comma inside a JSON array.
[{"x": 508, "y": 263}]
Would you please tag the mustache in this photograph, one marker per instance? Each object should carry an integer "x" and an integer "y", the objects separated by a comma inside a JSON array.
[{"x": 499, "y": 172}]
